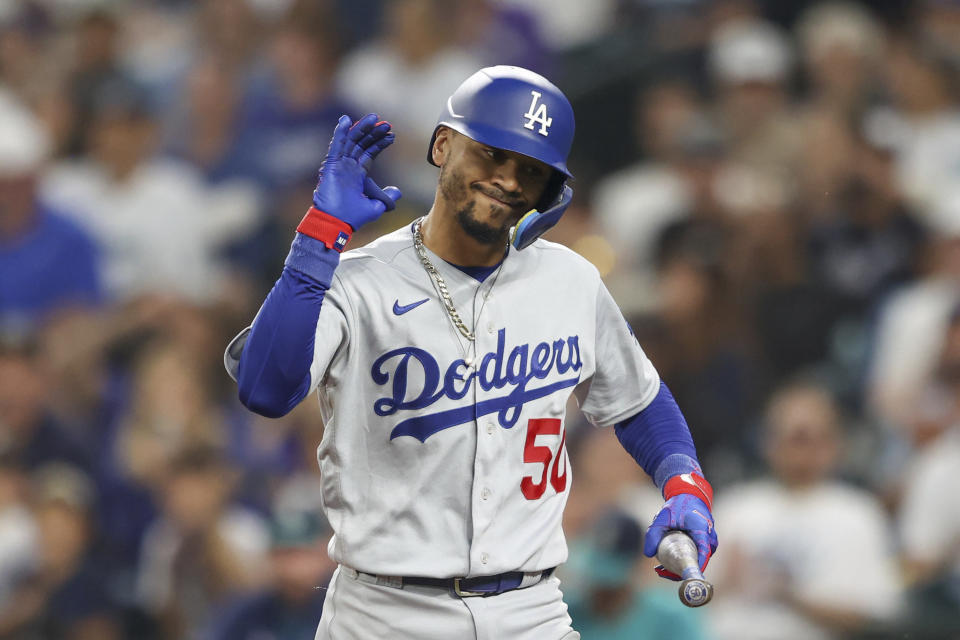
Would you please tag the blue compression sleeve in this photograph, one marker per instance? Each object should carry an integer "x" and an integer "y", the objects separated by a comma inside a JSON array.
[
  {"x": 659, "y": 440},
  {"x": 274, "y": 369}
]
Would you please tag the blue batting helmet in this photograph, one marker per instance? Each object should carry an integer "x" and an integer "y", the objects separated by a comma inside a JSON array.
[{"x": 515, "y": 109}]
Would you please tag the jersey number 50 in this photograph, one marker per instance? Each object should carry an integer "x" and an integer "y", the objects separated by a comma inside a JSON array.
[{"x": 542, "y": 454}]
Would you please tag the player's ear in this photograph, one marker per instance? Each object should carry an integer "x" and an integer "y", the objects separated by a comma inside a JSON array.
[{"x": 441, "y": 145}]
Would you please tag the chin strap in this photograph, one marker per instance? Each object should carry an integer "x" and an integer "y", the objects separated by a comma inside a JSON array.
[{"x": 534, "y": 223}]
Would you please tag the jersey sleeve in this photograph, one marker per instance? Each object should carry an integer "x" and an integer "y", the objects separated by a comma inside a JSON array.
[
  {"x": 299, "y": 329},
  {"x": 332, "y": 337},
  {"x": 625, "y": 381}
]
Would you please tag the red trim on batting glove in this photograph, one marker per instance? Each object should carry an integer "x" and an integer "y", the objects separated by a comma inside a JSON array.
[
  {"x": 332, "y": 232},
  {"x": 691, "y": 483}
]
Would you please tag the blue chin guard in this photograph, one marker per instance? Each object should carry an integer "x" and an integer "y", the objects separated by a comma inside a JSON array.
[{"x": 535, "y": 223}]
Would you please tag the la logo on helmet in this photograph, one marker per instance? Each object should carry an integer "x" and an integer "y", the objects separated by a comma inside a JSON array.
[{"x": 540, "y": 115}]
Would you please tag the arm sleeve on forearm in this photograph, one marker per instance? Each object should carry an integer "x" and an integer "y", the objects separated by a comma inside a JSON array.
[
  {"x": 659, "y": 440},
  {"x": 274, "y": 368}
]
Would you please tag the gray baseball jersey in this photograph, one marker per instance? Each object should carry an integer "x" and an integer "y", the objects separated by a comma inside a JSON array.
[{"x": 445, "y": 458}]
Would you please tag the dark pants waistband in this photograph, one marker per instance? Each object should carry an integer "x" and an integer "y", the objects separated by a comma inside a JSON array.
[{"x": 464, "y": 587}]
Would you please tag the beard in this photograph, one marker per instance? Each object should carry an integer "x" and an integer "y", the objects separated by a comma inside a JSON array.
[
  {"x": 455, "y": 190},
  {"x": 480, "y": 231}
]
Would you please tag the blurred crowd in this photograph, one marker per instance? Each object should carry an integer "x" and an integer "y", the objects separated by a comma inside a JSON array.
[{"x": 771, "y": 191}]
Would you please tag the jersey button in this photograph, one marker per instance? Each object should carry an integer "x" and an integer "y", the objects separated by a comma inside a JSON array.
[
  {"x": 484, "y": 557},
  {"x": 490, "y": 428},
  {"x": 491, "y": 328},
  {"x": 485, "y": 494}
]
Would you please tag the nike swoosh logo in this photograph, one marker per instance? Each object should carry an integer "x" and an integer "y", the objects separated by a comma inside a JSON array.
[{"x": 398, "y": 310}]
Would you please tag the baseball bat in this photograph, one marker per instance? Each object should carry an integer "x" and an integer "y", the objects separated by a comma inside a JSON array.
[{"x": 678, "y": 553}]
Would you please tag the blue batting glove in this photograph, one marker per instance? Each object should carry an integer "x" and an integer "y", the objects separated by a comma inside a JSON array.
[
  {"x": 687, "y": 513},
  {"x": 344, "y": 190}
]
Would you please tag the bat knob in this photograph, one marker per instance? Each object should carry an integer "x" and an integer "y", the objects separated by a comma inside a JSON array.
[{"x": 695, "y": 592}]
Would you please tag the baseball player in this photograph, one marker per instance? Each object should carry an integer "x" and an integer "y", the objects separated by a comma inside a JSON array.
[{"x": 443, "y": 355}]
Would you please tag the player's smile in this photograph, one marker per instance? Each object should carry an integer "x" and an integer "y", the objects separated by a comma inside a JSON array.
[{"x": 500, "y": 199}]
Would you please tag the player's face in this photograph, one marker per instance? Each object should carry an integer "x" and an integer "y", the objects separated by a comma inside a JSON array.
[{"x": 488, "y": 189}]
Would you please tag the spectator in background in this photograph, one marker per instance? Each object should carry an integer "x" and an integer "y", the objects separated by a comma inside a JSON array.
[
  {"x": 841, "y": 46},
  {"x": 29, "y": 433},
  {"x": 939, "y": 27},
  {"x": 929, "y": 515},
  {"x": 202, "y": 550},
  {"x": 870, "y": 242},
  {"x": 202, "y": 130},
  {"x": 675, "y": 28},
  {"x": 927, "y": 119},
  {"x": 404, "y": 74},
  {"x": 95, "y": 68},
  {"x": 65, "y": 596},
  {"x": 273, "y": 132},
  {"x": 27, "y": 30},
  {"x": 171, "y": 408},
  {"x": 607, "y": 479},
  {"x": 18, "y": 529},
  {"x": 290, "y": 606},
  {"x": 280, "y": 460},
  {"x": 231, "y": 30},
  {"x": 750, "y": 63},
  {"x": 606, "y": 600},
  {"x": 497, "y": 33},
  {"x": 862, "y": 241},
  {"x": 682, "y": 156},
  {"x": 47, "y": 262},
  {"x": 828, "y": 153},
  {"x": 89, "y": 358},
  {"x": 911, "y": 326},
  {"x": 568, "y": 24},
  {"x": 805, "y": 557},
  {"x": 284, "y": 123},
  {"x": 159, "y": 226},
  {"x": 162, "y": 41},
  {"x": 695, "y": 339},
  {"x": 33, "y": 67},
  {"x": 275, "y": 453}
]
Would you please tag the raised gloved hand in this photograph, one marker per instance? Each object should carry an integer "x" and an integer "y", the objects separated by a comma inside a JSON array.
[
  {"x": 345, "y": 194},
  {"x": 687, "y": 509},
  {"x": 344, "y": 190}
]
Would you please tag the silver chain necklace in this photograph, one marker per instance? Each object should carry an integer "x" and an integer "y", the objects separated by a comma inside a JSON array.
[{"x": 440, "y": 283}]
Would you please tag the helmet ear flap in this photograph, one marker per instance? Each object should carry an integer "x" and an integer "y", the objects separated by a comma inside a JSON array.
[
  {"x": 552, "y": 191},
  {"x": 535, "y": 223}
]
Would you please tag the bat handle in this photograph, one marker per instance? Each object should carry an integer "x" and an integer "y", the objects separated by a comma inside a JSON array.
[{"x": 678, "y": 553}]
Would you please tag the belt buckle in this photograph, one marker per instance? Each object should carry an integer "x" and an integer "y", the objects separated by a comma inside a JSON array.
[{"x": 465, "y": 594}]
